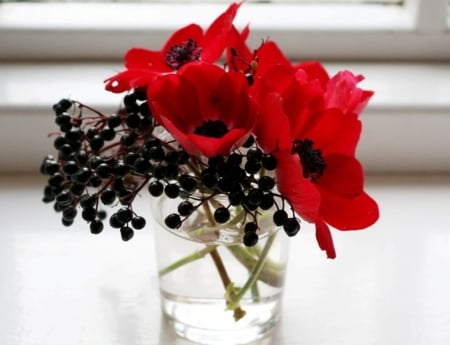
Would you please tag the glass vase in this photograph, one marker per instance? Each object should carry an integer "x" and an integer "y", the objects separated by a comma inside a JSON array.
[{"x": 214, "y": 289}]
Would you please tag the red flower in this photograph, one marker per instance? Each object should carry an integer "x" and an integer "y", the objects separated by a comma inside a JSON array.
[
  {"x": 188, "y": 44},
  {"x": 323, "y": 130},
  {"x": 205, "y": 108}
]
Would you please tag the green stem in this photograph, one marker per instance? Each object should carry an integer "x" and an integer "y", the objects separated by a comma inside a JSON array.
[
  {"x": 238, "y": 312},
  {"x": 255, "y": 292},
  {"x": 187, "y": 259},
  {"x": 271, "y": 273},
  {"x": 254, "y": 274}
]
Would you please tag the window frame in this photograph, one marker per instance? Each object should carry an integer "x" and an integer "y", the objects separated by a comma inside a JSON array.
[
  {"x": 416, "y": 30},
  {"x": 406, "y": 123}
]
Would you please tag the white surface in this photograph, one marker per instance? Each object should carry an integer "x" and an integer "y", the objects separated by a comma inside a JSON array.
[{"x": 389, "y": 285}]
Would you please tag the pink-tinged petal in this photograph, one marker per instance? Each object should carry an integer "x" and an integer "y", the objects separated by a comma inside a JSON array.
[
  {"x": 360, "y": 104},
  {"x": 300, "y": 192},
  {"x": 191, "y": 31},
  {"x": 324, "y": 239},
  {"x": 342, "y": 93},
  {"x": 348, "y": 213},
  {"x": 343, "y": 176},
  {"x": 217, "y": 35},
  {"x": 314, "y": 70}
]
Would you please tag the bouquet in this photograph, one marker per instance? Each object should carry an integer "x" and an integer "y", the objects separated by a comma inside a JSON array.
[{"x": 235, "y": 134}]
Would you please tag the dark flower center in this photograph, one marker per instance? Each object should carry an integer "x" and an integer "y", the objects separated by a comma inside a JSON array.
[
  {"x": 312, "y": 160},
  {"x": 212, "y": 129},
  {"x": 180, "y": 54}
]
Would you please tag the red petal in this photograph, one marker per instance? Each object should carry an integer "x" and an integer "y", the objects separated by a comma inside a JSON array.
[
  {"x": 269, "y": 55},
  {"x": 272, "y": 130},
  {"x": 129, "y": 79},
  {"x": 324, "y": 239},
  {"x": 348, "y": 214},
  {"x": 331, "y": 131},
  {"x": 243, "y": 55},
  {"x": 217, "y": 35},
  {"x": 211, "y": 147},
  {"x": 191, "y": 31},
  {"x": 137, "y": 58},
  {"x": 300, "y": 192},
  {"x": 185, "y": 112},
  {"x": 347, "y": 139},
  {"x": 280, "y": 79},
  {"x": 314, "y": 71},
  {"x": 343, "y": 176},
  {"x": 181, "y": 137},
  {"x": 220, "y": 95}
]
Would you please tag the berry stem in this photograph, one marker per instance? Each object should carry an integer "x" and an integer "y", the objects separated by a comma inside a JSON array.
[{"x": 81, "y": 106}]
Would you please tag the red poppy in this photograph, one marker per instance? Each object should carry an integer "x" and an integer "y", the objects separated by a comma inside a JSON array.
[
  {"x": 188, "y": 44},
  {"x": 205, "y": 108}
]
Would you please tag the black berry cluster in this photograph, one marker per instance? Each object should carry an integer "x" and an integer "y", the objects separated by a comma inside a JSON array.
[
  {"x": 98, "y": 163},
  {"x": 106, "y": 161},
  {"x": 241, "y": 178}
]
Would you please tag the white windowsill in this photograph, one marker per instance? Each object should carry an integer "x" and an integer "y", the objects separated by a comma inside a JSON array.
[
  {"x": 406, "y": 126},
  {"x": 388, "y": 285}
]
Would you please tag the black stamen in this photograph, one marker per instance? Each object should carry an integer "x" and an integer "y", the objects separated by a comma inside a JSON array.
[
  {"x": 180, "y": 54},
  {"x": 212, "y": 129},
  {"x": 312, "y": 160}
]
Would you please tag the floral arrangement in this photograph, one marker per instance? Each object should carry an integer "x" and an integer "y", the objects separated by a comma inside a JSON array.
[{"x": 211, "y": 122}]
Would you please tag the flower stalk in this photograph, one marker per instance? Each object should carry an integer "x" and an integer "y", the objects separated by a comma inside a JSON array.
[
  {"x": 187, "y": 259},
  {"x": 254, "y": 274}
]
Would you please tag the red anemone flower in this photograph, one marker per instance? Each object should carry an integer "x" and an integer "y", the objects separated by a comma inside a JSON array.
[
  {"x": 323, "y": 130},
  {"x": 326, "y": 144},
  {"x": 188, "y": 44},
  {"x": 206, "y": 109}
]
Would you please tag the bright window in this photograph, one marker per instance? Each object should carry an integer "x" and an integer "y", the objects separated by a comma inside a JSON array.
[{"x": 328, "y": 29}]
